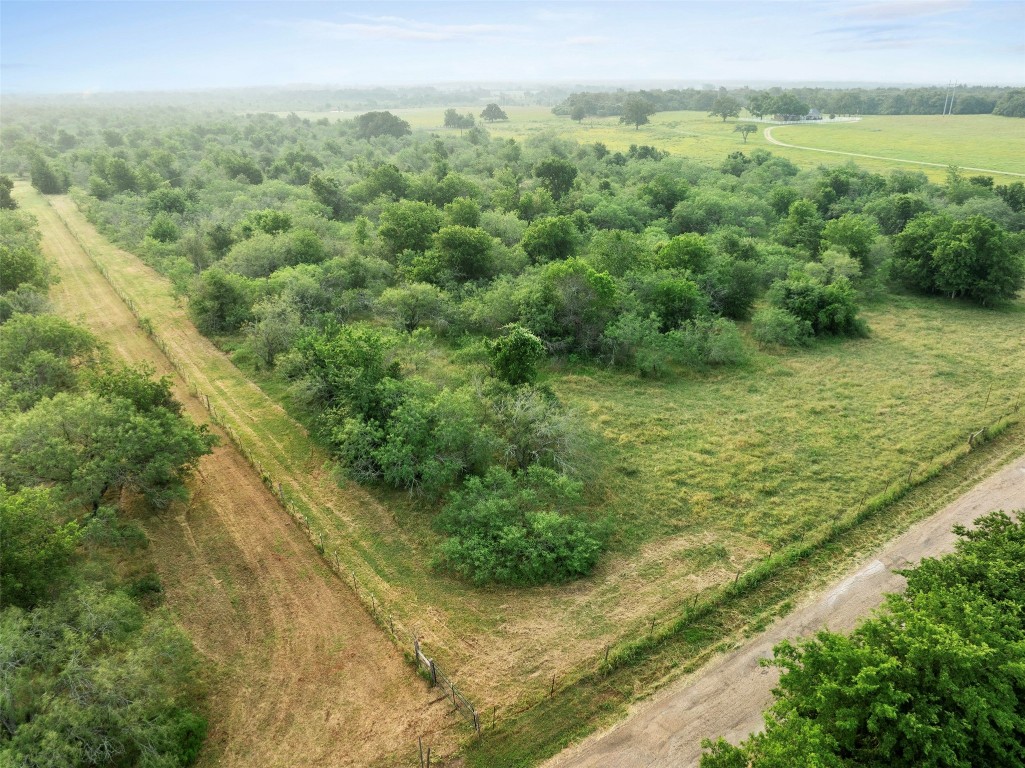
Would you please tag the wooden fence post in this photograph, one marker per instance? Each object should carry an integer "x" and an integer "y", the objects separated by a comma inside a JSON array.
[{"x": 434, "y": 671}]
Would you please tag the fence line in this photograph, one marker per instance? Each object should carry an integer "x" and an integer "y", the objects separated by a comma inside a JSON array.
[
  {"x": 614, "y": 656},
  {"x": 398, "y": 634}
]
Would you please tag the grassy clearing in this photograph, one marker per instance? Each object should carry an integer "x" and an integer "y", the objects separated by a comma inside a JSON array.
[
  {"x": 982, "y": 141},
  {"x": 700, "y": 476},
  {"x": 601, "y": 696}
]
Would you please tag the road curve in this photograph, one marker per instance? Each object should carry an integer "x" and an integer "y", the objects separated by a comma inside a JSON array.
[
  {"x": 769, "y": 138},
  {"x": 726, "y": 697}
]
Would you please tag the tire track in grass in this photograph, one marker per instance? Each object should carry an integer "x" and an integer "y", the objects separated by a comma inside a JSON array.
[
  {"x": 772, "y": 140},
  {"x": 299, "y": 668}
]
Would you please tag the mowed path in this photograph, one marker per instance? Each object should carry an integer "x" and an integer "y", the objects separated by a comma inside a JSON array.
[
  {"x": 302, "y": 675},
  {"x": 726, "y": 697},
  {"x": 769, "y": 138}
]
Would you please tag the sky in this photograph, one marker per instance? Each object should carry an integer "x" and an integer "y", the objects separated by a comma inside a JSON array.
[{"x": 90, "y": 46}]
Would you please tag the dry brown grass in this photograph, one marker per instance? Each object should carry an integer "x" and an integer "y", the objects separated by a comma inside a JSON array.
[{"x": 299, "y": 672}]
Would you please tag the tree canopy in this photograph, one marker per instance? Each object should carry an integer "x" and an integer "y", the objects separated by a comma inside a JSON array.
[{"x": 933, "y": 680}]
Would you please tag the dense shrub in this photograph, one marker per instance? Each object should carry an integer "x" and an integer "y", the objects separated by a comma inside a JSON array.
[
  {"x": 830, "y": 309},
  {"x": 775, "y": 326},
  {"x": 514, "y": 356},
  {"x": 507, "y": 528},
  {"x": 973, "y": 257}
]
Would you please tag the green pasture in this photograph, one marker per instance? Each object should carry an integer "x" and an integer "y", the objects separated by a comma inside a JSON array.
[{"x": 981, "y": 141}]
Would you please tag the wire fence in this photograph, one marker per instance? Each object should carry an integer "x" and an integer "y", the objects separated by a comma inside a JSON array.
[
  {"x": 393, "y": 628},
  {"x": 655, "y": 631}
]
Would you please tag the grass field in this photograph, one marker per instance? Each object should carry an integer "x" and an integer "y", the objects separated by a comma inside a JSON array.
[{"x": 983, "y": 141}]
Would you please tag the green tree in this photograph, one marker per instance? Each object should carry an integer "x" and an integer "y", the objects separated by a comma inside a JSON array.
[
  {"x": 36, "y": 548},
  {"x": 830, "y": 309},
  {"x": 409, "y": 225},
  {"x": 276, "y": 324},
  {"x": 789, "y": 104},
  {"x": 725, "y": 107},
  {"x": 21, "y": 260},
  {"x": 975, "y": 258},
  {"x": 7, "y": 202},
  {"x": 47, "y": 177},
  {"x": 802, "y": 227},
  {"x": 88, "y": 445},
  {"x": 493, "y": 112},
  {"x": 93, "y": 680},
  {"x": 578, "y": 113},
  {"x": 744, "y": 129},
  {"x": 220, "y": 302},
  {"x": 464, "y": 211},
  {"x": 514, "y": 355},
  {"x": 269, "y": 221},
  {"x": 557, "y": 175},
  {"x": 372, "y": 124},
  {"x": 689, "y": 251},
  {"x": 636, "y": 112},
  {"x": 41, "y": 355},
  {"x": 454, "y": 120},
  {"x": 568, "y": 304},
  {"x": 551, "y": 238},
  {"x": 855, "y": 233},
  {"x": 414, "y": 305},
  {"x": 343, "y": 367},
  {"x": 331, "y": 194},
  {"x": 972, "y": 257},
  {"x": 933, "y": 680},
  {"x": 163, "y": 229},
  {"x": 465, "y": 253},
  {"x": 505, "y": 528}
]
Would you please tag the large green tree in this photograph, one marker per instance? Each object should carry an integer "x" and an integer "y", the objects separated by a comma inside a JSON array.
[
  {"x": 493, "y": 112},
  {"x": 934, "y": 680},
  {"x": 557, "y": 175},
  {"x": 972, "y": 257},
  {"x": 636, "y": 112},
  {"x": 372, "y": 124},
  {"x": 89, "y": 445},
  {"x": 725, "y": 106}
]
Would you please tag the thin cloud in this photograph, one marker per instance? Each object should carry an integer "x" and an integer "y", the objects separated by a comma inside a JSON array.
[
  {"x": 393, "y": 28},
  {"x": 575, "y": 16},
  {"x": 587, "y": 40},
  {"x": 904, "y": 9}
]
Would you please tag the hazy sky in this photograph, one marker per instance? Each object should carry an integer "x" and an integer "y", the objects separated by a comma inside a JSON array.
[{"x": 102, "y": 46}]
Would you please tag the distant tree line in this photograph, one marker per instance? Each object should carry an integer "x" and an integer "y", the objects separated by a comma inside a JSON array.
[{"x": 968, "y": 100}]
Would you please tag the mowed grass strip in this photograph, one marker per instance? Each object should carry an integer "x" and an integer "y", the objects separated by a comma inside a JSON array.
[{"x": 699, "y": 474}]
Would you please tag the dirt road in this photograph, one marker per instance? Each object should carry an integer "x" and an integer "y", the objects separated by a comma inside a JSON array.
[
  {"x": 726, "y": 697},
  {"x": 302, "y": 675},
  {"x": 769, "y": 138}
]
